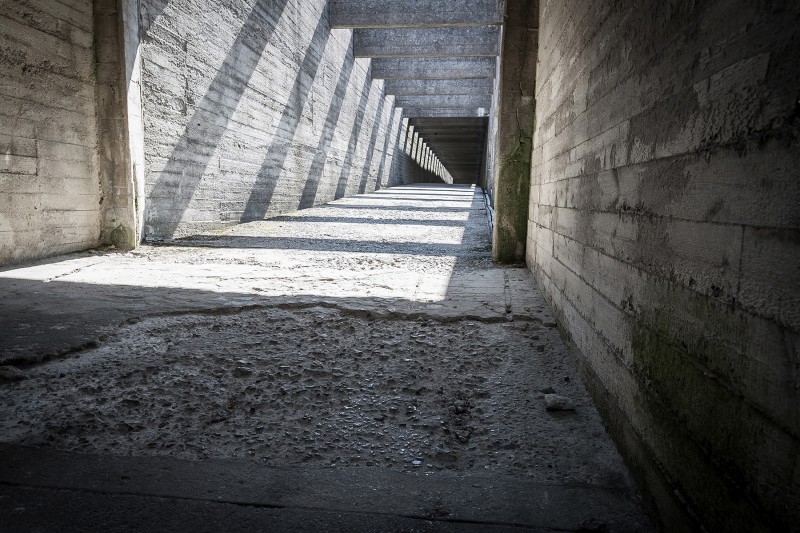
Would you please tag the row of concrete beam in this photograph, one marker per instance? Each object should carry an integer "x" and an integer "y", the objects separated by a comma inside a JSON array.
[{"x": 438, "y": 57}]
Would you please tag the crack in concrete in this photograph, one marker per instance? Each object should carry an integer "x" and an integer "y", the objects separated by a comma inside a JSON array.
[{"x": 71, "y": 272}]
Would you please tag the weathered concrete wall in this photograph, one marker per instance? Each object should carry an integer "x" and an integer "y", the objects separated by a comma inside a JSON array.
[
  {"x": 49, "y": 191},
  {"x": 514, "y": 136},
  {"x": 487, "y": 180},
  {"x": 665, "y": 230},
  {"x": 253, "y": 108},
  {"x": 120, "y": 156}
]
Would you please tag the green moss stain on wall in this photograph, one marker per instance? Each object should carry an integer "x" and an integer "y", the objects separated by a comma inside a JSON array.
[
  {"x": 511, "y": 198},
  {"x": 123, "y": 237},
  {"x": 671, "y": 356}
]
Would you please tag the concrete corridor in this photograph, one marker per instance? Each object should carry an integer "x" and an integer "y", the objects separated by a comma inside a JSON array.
[{"x": 357, "y": 366}]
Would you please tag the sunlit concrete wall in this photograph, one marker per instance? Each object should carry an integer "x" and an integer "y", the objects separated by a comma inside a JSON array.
[
  {"x": 253, "y": 108},
  {"x": 664, "y": 229},
  {"x": 49, "y": 191}
]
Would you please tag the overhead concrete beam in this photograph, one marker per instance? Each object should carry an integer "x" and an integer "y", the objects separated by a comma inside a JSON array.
[
  {"x": 427, "y": 42},
  {"x": 447, "y": 141},
  {"x": 414, "y": 13},
  {"x": 444, "y": 101},
  {"x": 430, "y": 87},
  {"x": 428, "y": 112},
  {"x": 463, "y": 167},
  {"x": 465, "y": 133},
  {"x": 446, "y": 134},
  {"x": 447, "y": 122},
  {"x": 467, "y": 155},
  {"x": 431, "y": 68},
  {"x": 452, "y": 146}
]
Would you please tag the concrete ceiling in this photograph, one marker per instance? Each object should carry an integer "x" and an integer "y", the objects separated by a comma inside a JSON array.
[{"x": 439, "y": 59}]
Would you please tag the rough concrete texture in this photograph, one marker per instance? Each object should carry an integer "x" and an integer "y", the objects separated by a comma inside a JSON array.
[
  {"x": 433, "y": 68},
  {"x": 446, "y": 101},
  {"x": 427, "y": 42},
  {"x": 444, "y": 112},
  {"x": 49, "y": 193},
  {"x": 664, "y": 231},
  {"x": 372, "y": 332},
  {"x": 414, "y": 13},
  {"x": 434, "y": 87},
  {"x": 514, "y": 131},
  {"x": 167, "y": 494},
  {"x": 221, "y": 148}
]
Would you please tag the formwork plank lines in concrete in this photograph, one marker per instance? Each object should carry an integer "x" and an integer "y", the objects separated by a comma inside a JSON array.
[
  {"x": 436, "y": 87},
  {"x": 427, "y": 42},
  {"x": 431, "y": 68},
  {"x": 426, "y": 112},
  {"x": 410, "y": 13},
  {"x": 444, "y": 101}
]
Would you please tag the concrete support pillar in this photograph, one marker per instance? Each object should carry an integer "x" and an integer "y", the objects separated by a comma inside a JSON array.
[
  {"x": 427, "y": 42},
  {"x": 403, "y": 139},
  {"x": 409, "y": 140},
  {"x": 120, "y": 146},
  {"x": 514, "y": 141}
]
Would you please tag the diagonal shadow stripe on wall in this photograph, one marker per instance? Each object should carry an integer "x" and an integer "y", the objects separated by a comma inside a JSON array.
[{"x": 174, "y": 188}]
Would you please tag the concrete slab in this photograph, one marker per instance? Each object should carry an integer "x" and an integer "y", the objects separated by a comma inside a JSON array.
[
  {"x": 432, "y": 87},
  {"x": 432, "y": 68},
  {"x": 427, "y": 42},
  {"x": 408, "y": 13},
  {"x": 297, "y": 497},
  {"x": 444, "y": 101}
]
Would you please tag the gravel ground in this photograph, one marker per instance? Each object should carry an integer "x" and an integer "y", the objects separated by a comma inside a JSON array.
[{"x": 319, "y": 386}]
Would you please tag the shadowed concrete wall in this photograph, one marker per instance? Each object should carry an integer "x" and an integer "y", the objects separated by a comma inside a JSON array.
[
  {"x": 253, "y": 108},
  {"x": 514, "y": 136},
  {"x": 120, "y": 150},
  {"x": 664, "y": 230},
  {"x": 49, "y": 192}
]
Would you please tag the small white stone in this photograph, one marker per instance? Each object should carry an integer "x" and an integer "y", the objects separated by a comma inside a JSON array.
[{"x": 556, "y": 402}]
